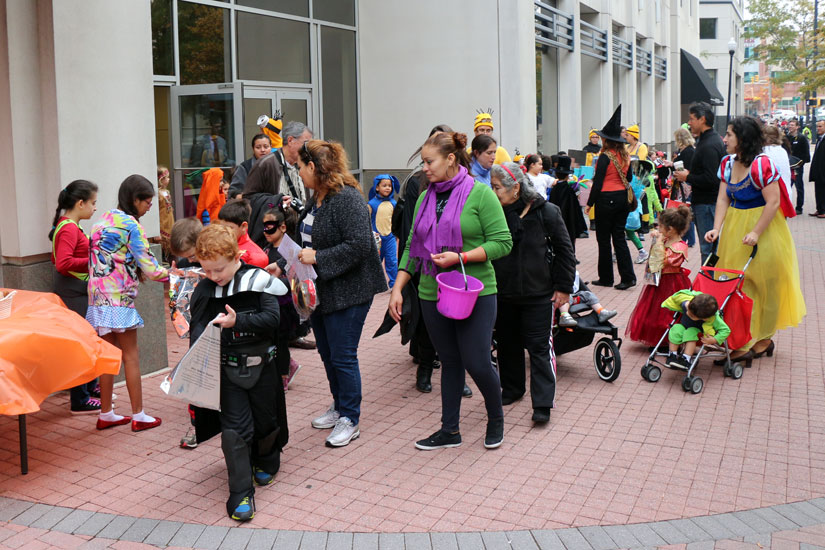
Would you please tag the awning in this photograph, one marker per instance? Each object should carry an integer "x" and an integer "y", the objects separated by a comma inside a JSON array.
[{"x": 696, "y": 83}]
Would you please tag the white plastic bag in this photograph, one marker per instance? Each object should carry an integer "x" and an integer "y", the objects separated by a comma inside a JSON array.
[
  {"x": 301, "y": 279},
  {"x": 197, "y": 377},
  {"x": 180, "y": 293}
]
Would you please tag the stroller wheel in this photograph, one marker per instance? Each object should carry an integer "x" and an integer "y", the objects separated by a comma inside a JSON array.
[
  {"x": 654, "y": 373},
  {"x": 737, "y": 370},
  {"x": 696, "y": 385},
  {"x": 727, "y": 370},
  {"x": 607, "y": 359},
  {"x": 686, "y": 383}
]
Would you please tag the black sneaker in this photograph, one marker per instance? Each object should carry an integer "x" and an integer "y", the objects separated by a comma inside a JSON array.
[
  {"x": 91, "y": 406},
  {"x": 439, "y": 440},
  {"x": 466, "y": 392},
  {"x": 680, "y": 363},
  {"x": 541, "y": 415},
  {"x": 495, "y": 433},
  {"x": 673, "y": 359}
]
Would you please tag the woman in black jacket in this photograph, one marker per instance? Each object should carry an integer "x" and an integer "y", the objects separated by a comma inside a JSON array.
[
  {"x": 337, "y": 235},
  {"x": 529, "y": 287}
]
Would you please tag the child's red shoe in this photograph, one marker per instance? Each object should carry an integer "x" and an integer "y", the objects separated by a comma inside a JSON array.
[
  {"x": 138, "y": 426},
  {"x": 103, "y": 424}
]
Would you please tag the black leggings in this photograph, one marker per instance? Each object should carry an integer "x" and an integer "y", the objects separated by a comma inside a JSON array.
[
  {"x": 611, "y": 217},
  {"x": 464, "y": 345}
]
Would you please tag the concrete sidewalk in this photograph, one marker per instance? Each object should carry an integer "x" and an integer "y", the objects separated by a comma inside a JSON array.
[{"x": 614, "y": 455}]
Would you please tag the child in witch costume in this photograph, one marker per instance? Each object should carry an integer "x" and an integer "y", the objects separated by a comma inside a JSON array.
[
  {"x": 381, "y": 205},
  {"x": 242, "y": 300}
]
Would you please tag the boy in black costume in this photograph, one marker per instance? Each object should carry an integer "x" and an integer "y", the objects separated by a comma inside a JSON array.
[{"x": 241, "y": 299}]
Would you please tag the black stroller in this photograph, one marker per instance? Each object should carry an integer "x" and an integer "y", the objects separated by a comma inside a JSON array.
[{"x": 606, "y": 355}]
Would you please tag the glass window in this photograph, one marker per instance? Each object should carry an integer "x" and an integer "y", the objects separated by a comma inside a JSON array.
[
  {"x": 334, "y": 11},
  {"x": 207, "y": 137},
  {"x": 707, "y": 28},
  {"x": 272, "y": 49},
  {"x": 204, "y": 44},
  {"x": 712, "y": 74},
  {"x": 163, "y": 43},
  {"x": 340, "y": 101},
  {"x": 292, "y": 7},
  {"x": 253, "y": 108}
]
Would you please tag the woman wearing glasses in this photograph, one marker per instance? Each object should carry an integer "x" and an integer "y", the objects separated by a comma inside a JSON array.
[
  {"x": 119, "y": 260},
  {"x": 338, "y": 242}
]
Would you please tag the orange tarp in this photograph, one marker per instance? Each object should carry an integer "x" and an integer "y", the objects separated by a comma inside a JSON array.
[{"x": 44, "y": 348}]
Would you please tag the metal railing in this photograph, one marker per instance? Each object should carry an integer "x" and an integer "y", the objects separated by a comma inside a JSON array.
[
  {"x": 553, "y": 27},
  {"x": 660, "y": 67},
  {"x": 622, "y": 52},
  {"x": 593, "y": 41},
  {"x": 644, "y": 60}
]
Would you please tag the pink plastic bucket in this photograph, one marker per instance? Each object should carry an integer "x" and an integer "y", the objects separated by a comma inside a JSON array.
[{"x": 457, "y": 293}]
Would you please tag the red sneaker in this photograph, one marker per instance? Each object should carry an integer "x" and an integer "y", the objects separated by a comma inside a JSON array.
[
  {"x": 103, "y": 424},
  {"x": 138, "y": 426}
]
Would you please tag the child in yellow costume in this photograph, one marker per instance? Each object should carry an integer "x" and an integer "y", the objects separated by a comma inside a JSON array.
[{"x": 700, "y": 316}]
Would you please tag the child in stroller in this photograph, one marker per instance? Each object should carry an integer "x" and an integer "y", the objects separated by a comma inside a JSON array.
[
  {"x": 582, "y": 295},
  {"x": 699, "y": 320}
]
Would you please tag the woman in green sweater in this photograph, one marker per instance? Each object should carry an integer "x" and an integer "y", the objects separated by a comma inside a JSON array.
[{"x": 456, "y": 216}]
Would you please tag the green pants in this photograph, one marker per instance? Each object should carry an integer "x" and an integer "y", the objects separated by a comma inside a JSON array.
[
  {"x": 634, "y": 238},
  {"x": 679, "y": 334}
]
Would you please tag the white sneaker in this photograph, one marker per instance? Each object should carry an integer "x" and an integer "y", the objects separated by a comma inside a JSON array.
[
  {"x": 344, "y": 432},
  {"x": 567, "y": 320},
  {"x": 606, "y": 314},
  {"x": 643, "y": 256},
  {"x": 326, "y": 420}
]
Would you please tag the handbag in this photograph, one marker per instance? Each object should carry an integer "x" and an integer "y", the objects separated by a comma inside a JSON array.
[{"x": 631, "y": 196}]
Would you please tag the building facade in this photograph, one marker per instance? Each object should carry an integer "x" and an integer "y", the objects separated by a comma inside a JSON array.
[
  {"x": 99, "y": 90},
  {"x": 721, "y": 21}
]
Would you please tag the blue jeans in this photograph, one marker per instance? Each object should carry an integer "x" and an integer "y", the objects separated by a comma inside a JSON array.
[
  {"x": 337, "y": 335},
  {"x": 703, "y": 215}
]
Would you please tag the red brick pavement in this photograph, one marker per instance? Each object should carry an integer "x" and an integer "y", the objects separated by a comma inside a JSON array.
[{"x": 616, "y": 453}]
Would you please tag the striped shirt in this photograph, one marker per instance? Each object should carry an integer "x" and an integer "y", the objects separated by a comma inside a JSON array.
[{"x": 306, "y": 227}]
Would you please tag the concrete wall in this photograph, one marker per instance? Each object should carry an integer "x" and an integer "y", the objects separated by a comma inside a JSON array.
[
  {"x": 428, "y": 62},
  {"x": 76, "y": 101}
]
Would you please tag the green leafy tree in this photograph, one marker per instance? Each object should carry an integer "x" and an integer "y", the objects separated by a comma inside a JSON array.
[{"x": 787, "y": 41}]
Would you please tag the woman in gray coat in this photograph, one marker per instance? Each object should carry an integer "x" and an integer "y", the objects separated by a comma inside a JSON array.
[{"x": 338, "y": 240}]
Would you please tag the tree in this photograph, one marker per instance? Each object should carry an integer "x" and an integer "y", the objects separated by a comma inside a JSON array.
[{"x": 785, "y": 31}]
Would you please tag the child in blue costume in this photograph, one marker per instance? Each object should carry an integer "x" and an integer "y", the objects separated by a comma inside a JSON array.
[{"x": 381, "y": 205}]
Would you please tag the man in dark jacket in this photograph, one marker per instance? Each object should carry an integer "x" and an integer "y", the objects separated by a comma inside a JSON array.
[
  {"x": 704, "y": 168},
  {"x": 817, "y": 174},
  {"x": 801, "y": 149}
]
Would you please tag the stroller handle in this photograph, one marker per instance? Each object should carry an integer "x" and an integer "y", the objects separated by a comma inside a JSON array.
[{"x": 713, "y": 258}]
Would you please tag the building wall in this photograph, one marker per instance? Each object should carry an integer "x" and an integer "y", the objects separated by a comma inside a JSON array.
[
  {"x": 76, "y": 101},
  {"x": 428, "y": 62},
  {"x": 714, "y": 52}
]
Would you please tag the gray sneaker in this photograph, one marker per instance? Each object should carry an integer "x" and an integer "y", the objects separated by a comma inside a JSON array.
[
  {"x": 326, "y": 420},
  {"x": 567, "y": 320},
  {"x": 643, "y": 256},
  {"x": 606, "y": 314},
  {"x": 344, "y": 432}
]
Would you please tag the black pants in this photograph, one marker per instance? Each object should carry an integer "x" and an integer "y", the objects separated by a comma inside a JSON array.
[
  {"x": 464, "y": 345},
  {"x": 74, "y": 294},
  {"x": 799, "y": 183},
  {"x": 252, "y": 432},
  {"x": 526, "y": 326},
  {"x": 611, "y": 217},
  {"x": 819, "y": 192}
]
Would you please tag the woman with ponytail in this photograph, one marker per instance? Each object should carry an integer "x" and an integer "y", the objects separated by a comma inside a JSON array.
[
  {"x": 456, "y": 219},
  {"x": 337, "y": 235},
  {"x": 70, "y": 256}
]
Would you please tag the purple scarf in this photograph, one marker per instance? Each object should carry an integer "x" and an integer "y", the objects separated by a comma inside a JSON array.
[{"x": 433, "y": 236}]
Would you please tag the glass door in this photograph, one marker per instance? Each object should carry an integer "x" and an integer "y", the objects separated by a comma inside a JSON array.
[
  {"x": 294, "y": 105},
  {"x": 206, "y": 131}
]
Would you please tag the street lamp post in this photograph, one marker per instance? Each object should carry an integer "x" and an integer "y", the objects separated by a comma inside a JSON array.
[{"x": 731, "y": 51}]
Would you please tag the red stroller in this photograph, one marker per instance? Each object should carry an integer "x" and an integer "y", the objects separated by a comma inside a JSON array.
[{"x": 726, "y": 286}]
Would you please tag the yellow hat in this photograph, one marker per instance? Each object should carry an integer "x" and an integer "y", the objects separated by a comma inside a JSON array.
[
  {"x": 483, "y": 119},
  {"x": 634, "y": 131},
  {"x": 271, "y": 128},
  {"x": 593, "y": 132}
]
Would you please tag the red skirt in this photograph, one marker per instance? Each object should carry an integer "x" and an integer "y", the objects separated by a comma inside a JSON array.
[{"x": 649, "y": 319}]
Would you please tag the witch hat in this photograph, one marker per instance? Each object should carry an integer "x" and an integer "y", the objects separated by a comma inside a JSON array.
[{"x": 613, "y": 129}]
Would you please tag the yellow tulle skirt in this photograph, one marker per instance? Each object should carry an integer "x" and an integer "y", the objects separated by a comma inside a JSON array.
[{"x": 772, "y": 279}]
